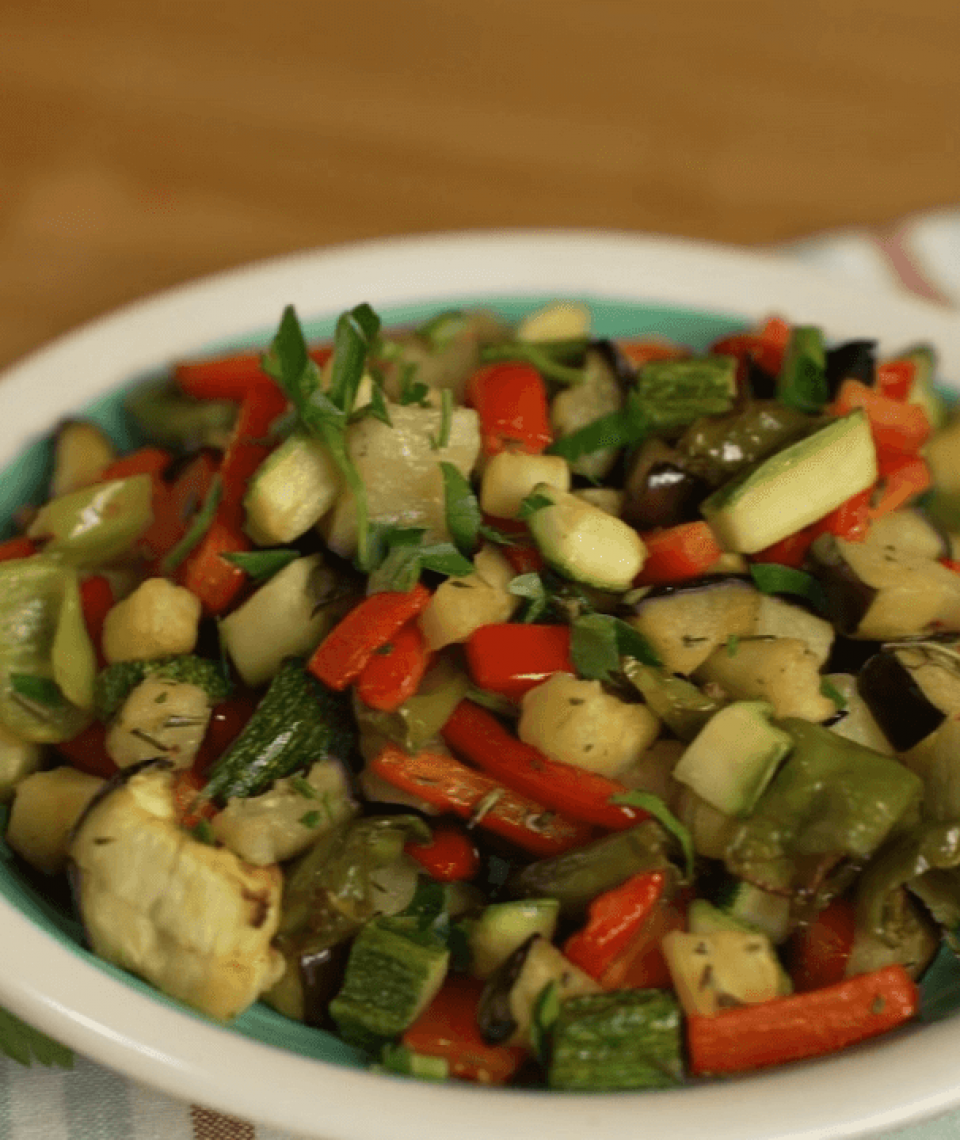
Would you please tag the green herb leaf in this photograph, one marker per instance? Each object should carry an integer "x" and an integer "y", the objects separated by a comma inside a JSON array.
[
  {"x": 446, "y": 420},
  {"x": 616, "y": 429},
  {"x": 772, "y": 578},
  {"x": 440, "y": 330},
  {"x": 444, "y": 558},
  {"x": 400, "y": 1059},
  {"x": 531, "y": 588},
  {"x": 653, "y": 804},
  {"x": 546, "y": 356},
  {"x": 24, "y": 1044},
  {"x": 532, "y": 503},
  {"x": 355, "y": 336},
  {"x": 259, "y": 565},
  {"x": 411, "y": 390},
  {"x": 497, "y": 536},
  {"x": 202, "y": 522},
  {"x": 400, "y": 570},
  {"x": 311, "y": 819},
  {"x": 546, "y": 1010},
  {"x": 41, "y": 691},
  {"x": 733, "y": 644},
  {"x": 830, "y": 690},
  {"x": 203, "y": 833},
  {"x": 461, "y": 509},
  {"x": 598, "y": 641},
  {"x": 302, "y": 786}
]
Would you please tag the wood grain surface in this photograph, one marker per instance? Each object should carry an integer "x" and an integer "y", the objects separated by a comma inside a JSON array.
[{"x": 143, "y": 144}]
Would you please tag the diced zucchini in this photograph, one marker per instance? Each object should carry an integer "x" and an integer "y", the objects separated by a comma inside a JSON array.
[
  {"x": 157, "y": 619},
  {"x": 734, "y": 757},
  {"x": 160, "y": 717},
  {"x": 497, "y": 932},
  {"x": 795, "y": 486},
  {"x": 778, "y": 618},
  {"x": 286, "y": 617},
  {"x": 390, "y": 979},
  {"x": 18, "y": 759},
  {"x": 630, "y": 1039},
  {"x": 909, "y": 532},
  {"x": 608, "y": 499},
  {"x": 578, "y": 723},
  {"x": 755, "y": 909},
  {"x": 560, "y": 320},
  {"x": 721, "y": 970},
  {"x": 510, "y": 476},
  {"x": 291, "y": 490},
  {"x": 855, "y": 721},
  {"x": 461, "y": 605},
  {"x": 779, "y": 670},
  {"x": 45, "y": 808},
  {"x": 585, "y": 543}
]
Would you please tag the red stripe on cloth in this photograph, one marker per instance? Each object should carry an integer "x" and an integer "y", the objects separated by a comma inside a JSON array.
[
  {"x": 209, "y": 1125},
  {"x": 894, "y": 244}
]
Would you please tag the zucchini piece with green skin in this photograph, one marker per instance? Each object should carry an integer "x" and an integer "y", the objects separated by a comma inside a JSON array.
[
  {"x": 497, "y": 932},
  {"x": 583, "y": 542},
  {"x": 795, "y": 486},
  {"x": 748, "y": 908},
  {"x": 117, "y": 681},
  {"x": 682, "y": 707},
  {"x": 393, "y": 974},
  {"x": 168, "y": 417},
  {"x": 294, "y": 487},
  {"x": 630, "y": 1039},
  {"x": 81, "y": 451},
  {"x": 297, "y": 722},
  {"x": 802, "y": 383},
  {"x": 674, "y": 393},
  {"x": 722, "y": 970}
]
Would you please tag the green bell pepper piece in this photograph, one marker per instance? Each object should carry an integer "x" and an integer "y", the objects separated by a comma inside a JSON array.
[{"x": 95, "y": 525}]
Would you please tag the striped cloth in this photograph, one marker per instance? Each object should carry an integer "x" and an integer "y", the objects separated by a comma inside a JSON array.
[{"x": 920, "y": 255}]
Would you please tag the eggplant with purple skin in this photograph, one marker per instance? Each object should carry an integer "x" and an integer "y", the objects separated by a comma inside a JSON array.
[
  {"x": 852, "y": 360},
  {"x": 666, "y": 495},
  {"x": 912, "y": 688}
]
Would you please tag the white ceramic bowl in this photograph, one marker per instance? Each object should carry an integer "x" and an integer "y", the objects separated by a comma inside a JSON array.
[{"x": 96, "y": 1010}]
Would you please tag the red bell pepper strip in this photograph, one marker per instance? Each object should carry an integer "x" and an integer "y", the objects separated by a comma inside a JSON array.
[
  {"x": 524, "y": 558},
  {"x": 951, "y": 564},
  {"x": 248, "y": 446},
  {"x": 453, "y": 787},
  {"x": 394, "y": 671},
  {"x": 19, "y": 547},
  {"x": 340, "y": 658},
  {"x": 678, "y": 553},
  {"x": 802, "y": 1025},
  {"x": 175, "y": 506},
  {"x": 206, "y": 573},
  {"x": 902, "y": 478},
  {"x": 895, "y": 378},
  {"x": 187, "y": 802},
  {"x": 511, "y": 401},
  {"x": 448, "y": 1028},
  {"x": 510, "y": 658},
  {"x": 789, "y": 551},
  {"x": 450, "y": 856},
  {"x": 896, "y": 426},
  {"x": 851, "y": 520},
  {"x": 642, "y": 350},
  {"x": 817, "y": 953},
  {"x": 227, "y": 721},
  {"x": 641, "y": 964},
  {"x": 613, "y": 919},
  {"x": 96, "y": 601},
  {"x": 88, "y": 752},
  {"x": 144, "y": 461},
  {"x": 230, "y": 377},
  {"x": 766, "y": 347},
  {"x": 477, "y": 735}
]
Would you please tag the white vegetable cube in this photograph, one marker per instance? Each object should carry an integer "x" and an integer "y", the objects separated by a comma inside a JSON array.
[
  {"x": 560, "y": 320},
  {"x": 159, "y": 718},
  {"x": 461, "y": 605},
  {"x": 722, "y": 970},
  {"x": 156, "y": 619},
  {"x": 608, "y": 499},
  {"x": 510, "y": 476},
  {"x": 576, "y": 722},
  {"x": 45, "y": 808},
  {"x": 18, "y": 759}
]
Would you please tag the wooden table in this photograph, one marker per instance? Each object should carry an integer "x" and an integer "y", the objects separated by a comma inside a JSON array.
[{"x": 145, "y": 144}]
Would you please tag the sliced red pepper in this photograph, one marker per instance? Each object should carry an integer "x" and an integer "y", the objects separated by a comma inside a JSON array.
[
  {"x": 802, "y": 1025},
  {"x": 902, "y": 478},
  {"x": 186, "y": 800},
  {"x": 641, "y": 964},
  {"x": 895, "y": 378},
  {"x": 951, "y": 564},
  {"x": 511, "y": 401},
  {"x": 340, "y": 658},
  {"x": 641, "y": 350},
  {"x": 394, "y": 671},
  {"x": 448, "y": 1028},
  {"x": 851, "y": 520},
  {"x": 524, "y": 558},
  {"x": 231, "y": 377},
  {"x": 678, "y": 553},
  {"x": 249, "y": 446},
  {"x": 144, "y": 461},
  {"x": 175, "y": 506},
  {"x": 453, "y": 787},
  {"x": 613, "y": 919},
  {"x": 19, "y": 547},
  {"x": 96, "y": 601},
  {"x": 450, "y": 857},
  {"x": 817, "y": 953},
  {"x": 789, "y": 551},
  {"x": 511, "y": 658},
  {"x": 896, "y": 426},
  {"x": 207, "y": 574},
  {"x": 88, "y": 752},
  {"x": 477, "y": 735},
  {"x": 766, "y": 347}
]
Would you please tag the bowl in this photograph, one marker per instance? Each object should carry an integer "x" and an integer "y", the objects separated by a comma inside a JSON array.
[{"x": 286, "y": 1075}]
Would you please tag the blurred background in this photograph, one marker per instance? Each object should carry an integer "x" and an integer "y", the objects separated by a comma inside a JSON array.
[{"x": 146, "y": 144}]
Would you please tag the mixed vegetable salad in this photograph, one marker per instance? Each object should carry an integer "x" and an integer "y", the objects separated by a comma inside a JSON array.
[{"x": 522, "y": 706}]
